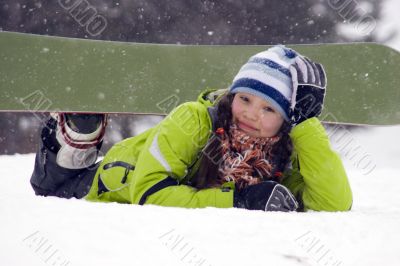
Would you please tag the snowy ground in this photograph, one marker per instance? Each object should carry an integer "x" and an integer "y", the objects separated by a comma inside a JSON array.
[{"x": 51, "y": 231}]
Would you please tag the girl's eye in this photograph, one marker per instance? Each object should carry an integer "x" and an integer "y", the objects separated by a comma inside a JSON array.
[
  {"x": 269, "y": 109},
  {"x": 244, "y": 98}
]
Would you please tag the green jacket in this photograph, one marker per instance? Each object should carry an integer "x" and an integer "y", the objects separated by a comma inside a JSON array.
[{"x": 155, "y": 166}]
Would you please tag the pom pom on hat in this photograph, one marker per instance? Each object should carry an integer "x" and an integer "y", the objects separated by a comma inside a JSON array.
[{"x": 267, "y": 75}]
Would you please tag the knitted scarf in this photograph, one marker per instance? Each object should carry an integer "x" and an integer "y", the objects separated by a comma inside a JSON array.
[{"x": 246, "y": 160}]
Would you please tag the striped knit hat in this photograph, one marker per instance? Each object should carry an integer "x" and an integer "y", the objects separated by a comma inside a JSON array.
[{"x": 267, "y": 75}]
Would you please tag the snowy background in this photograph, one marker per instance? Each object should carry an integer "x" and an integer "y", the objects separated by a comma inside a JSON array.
[{"x": 51, "y": 231}]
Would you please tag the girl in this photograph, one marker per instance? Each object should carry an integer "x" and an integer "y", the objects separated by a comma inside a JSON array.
[{"x": 257, "y": 145}]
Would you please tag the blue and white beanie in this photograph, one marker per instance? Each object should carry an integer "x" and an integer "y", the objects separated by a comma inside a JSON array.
[{"x": 267, "y": 75}]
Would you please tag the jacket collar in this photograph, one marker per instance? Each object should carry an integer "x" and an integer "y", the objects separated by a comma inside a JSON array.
[
  {"x": 212, "y": 111},
  {"x": 209, "y": 97}
]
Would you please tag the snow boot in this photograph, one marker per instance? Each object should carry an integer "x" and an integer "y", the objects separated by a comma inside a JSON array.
[
  {"x": 75, "y": 138},
  {"x": 65, "y": 162}
]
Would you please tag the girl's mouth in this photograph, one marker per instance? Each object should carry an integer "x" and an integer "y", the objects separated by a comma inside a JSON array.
[{"x": 246, "y": 127}]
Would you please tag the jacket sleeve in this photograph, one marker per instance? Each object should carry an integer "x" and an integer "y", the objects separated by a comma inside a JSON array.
[
  {"x": 317, "y": 177},
  {"x": 168, "y": 152}
]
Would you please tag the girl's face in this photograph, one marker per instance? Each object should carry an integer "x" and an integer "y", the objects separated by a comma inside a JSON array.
[{"x": 255, "y": 116}]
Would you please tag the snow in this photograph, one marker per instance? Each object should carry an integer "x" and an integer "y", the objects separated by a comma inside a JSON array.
[
  {"x": 52, "y": 231},
  {"x": 390, "y": 23},
  {"x": 386, "y": 29}
]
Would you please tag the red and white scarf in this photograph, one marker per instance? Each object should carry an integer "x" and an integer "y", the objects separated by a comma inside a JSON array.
[{"x": 246, "y": 160}]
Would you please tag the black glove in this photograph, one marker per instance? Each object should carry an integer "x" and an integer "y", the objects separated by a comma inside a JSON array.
[
  {"x": 265, "y": 196},
  {"x": 309, "y": 85}
]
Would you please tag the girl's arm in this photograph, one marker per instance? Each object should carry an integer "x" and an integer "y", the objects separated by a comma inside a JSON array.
[
  {"x": 318, "y": 177},
  {"x": 168, "y": 152}
]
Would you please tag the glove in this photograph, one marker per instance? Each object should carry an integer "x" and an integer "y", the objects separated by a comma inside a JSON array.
[
  {"x": 266, "y": 196},
  {"x": 309, "y": 86}
]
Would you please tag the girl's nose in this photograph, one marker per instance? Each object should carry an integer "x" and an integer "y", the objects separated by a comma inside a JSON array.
[{"x": 252, "y": 114}]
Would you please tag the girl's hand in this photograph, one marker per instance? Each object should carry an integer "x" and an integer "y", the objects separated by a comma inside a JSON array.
[
  {"x": 265, "y": 196},
  {"x": 309, "y": 85}
]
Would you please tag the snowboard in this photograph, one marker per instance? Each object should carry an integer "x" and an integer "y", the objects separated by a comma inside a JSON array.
[{"x": 45, "y": 73}]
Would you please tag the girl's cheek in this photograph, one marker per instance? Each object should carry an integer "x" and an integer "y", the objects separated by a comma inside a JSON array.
[
  {"x": 271, "y": 123},
  {"x": 236, "y": 109},
  {"x": 265, "y": 125}
]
